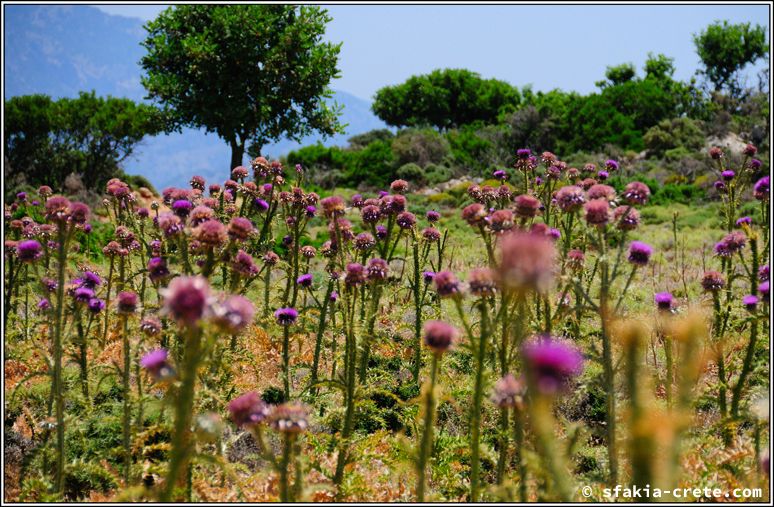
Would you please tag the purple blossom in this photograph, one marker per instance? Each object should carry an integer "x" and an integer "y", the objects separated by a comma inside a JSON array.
[
  {"x": 750, "y": 302},
  {"x": 712, "y": 281},
  {"x": 305, "y": 280},
  {"x": 157, "y": 269},
  {"x": 126, "y": 302},
  {"x": 728, "y": 175},
  {"x": 611, "y": 165},
  {"x": 286, "y": 316},
  {"x": 639, "y": 253},
  {"x": 446, "y": 284},
  {"x": 261, "y": 205},
  {"x": 551, "y": 363},
  {"x": 248, "y": 409},
  {"x": 187, "y": 299},
  {"x": 155, "y": 362},
  {"x": 763, "y": 289},
  {"x": 439, "y": 336},
  {"x": 96, "y": 305},
  {"x": 743, "y": 221},
  {"x": 761, "y": 189},
  {"x": 233, "y": 314},
  {"x": 664, "y": 301},
  {"x": 29, "y": 250},
  {"x": 508, "y": 392}
]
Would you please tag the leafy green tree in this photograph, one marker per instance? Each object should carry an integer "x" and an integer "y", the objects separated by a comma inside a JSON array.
[
  {"x": 90, "y": 136},
  {"x": 249, "y": 73},
  {"x": 674, "y": 133},
  {"x": 445, "y": 99},
  {"x": 725, "y": 49},
  {"x": 618, "y": 74}
]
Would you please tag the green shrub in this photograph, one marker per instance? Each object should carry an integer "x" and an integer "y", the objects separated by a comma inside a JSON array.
[
  {"x": 82, "y": 478},
  {"x": 435, "y": 174},
  {"x": 412, "y": 173},
  {"x": 442, "y": 198}
]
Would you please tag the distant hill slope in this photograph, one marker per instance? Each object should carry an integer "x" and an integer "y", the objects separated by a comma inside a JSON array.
[{"x": 61, "y": 50}]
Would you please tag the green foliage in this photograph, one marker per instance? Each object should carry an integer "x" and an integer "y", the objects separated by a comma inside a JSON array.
[
  {"x": 618, "y": 74},
  {"x": 249, "y": 73},
  {"x": 362, "y": 140},
  {"x": 422, "y": 147},
  {"x": 725, "y": 49},
  {"x": 374, "y": 165},
  {"x": 81, "y": 478},
  {"x": 444, "y": 99},
  {"x": 46, "y": 140},
  {"x": 435, "y": 174},
  {"x": 675, "y": 133},
  {"x": 411, "y": 173}
]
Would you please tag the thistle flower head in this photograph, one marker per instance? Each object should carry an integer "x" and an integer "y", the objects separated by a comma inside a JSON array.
[
  {"x": 750, "y": 302},
  {"x": 597, "y": 212},
  {"x": 446, "y": 284},
  {"x": 182, "y": 207},
  {"x": 508, "y": 392},
  {"x": 439, "y": 336},
  {"x": 551, "y": 363},
  {"x": 600, "y": 191},
  {"x": 611, "y": 165},
  {"x": 377, "y": 270},
  {"x": 399, "y": 186},
  {"x": 431, "y": 234},
  {"x": 763, "y": 273},
  {"x": 233, "y": 314},
  {"x": 290, "y": 417},
  {"x": 355, "y": 274},
  {"x": 715, "y": 153},
  {"x": 248, "y": 410},
  {"x": 527, "y": 261},
  {"x": 333, "y": 206},
  {"x": 150, "y": 326},
  {"x": 187, "y": 299},
  {"x": 29, "y": 250},
  {"x": 157, "y": 269},
  {"x": 286, "y": 316},
  {"x": 761, "y": 189},
  {"x": 211, "y": 233},
  {"x": 664, "y": 301},
  {"x": 126, "y": 302},
  {"x": 570, "y": 198},
  {"x": 763, "y": 290},
  {"x": 96, "y": 305},
  {"x": 474, "y": 214},
  {"x": 305, "y": 280},
  {"x": 575, "y": 259},
  {"x": 636, "y": 193},
  {"x": 239, "y": 172},
  {"x": 500, "y": 221},
  {"x": 728, "y": 175},
  {"x": 406, "y": 220},
  {"x": 240, "y": 229},
  {"x": 527, "y": 206},
  {"x": 155, "y": 362},
  {"x": 639, "y": 253},
  {"x": 483, "y": 282},
  {"x": 626, "y": 218}
]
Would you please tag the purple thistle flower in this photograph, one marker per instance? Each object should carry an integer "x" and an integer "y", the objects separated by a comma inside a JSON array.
[
  {"x": 763, "y": 289},
  {"x": 755, "y": 164},
  {"x": 639, "y": 253},
  {"x": 290, "y": 417},
  {"x": 611, "y": 165},
  {"x": 182, "y": 208},
  {"x": 428, "y": 276},
  {"x": 248, "y": 409},
  {"x": 523, "y": 153},
  {"x": 150, "y": 326},
  {"x": 551, "y": 363},
  {"x": 750, "y": 302},
  {"x": 305, "y": 280},
  {"x": 406, "y": 220},
  {"x": 597, "y": 212},
  {"x": 29, "y": 250},
  {"x": 240, "y": 229},
  {"x": 126, "y": 303},
  {"x": 527, "y": 261},
  {"x": 83, "y": 295},
  {"x": 399, "y": 186},
  {"x": 763, "y": 273},
  {"x": 570, "y": 198},
  {"x": 334, "y": 296},
  {"x": 187, "y": 299},
  {"x": 157, "y": 269},
  {"x": 602, "y": 175},
  {"x": 261, "y": 205},
  {"x": 446, "y": 284},
  {"x": 761, "y": 189},
  {"x": 381, "y": 231},
  {"x": 377, "y": 270},
  {"x": 96, "y": 305},
  {"x": 501, "y": 175},
  {"x": 44, "y": 304},
  {"x": 155, "y": 363},
  {"x": 508, "y": 392},
  {"x": 636, "y": 193},
  {"x": 355, "y": 274},
  {"x": 554, "y": 233},
  {"x": 720, "y": 186},
  {"x": 527, "y": 206},
  {"x": 286, "y": 316},
  {"x": 483, "y": 282},
  {"x": 664, "y": 301},
  {"x": 21, "y": 196},
  {"x": 712, "y": 281},
  {"x": 234, "y": 314},
  {"x": 743, "y": 221},
  {"x": 439, "y": 336},
  {"x": 311, "y": 211},
  {"x": 431, "y": 234},
  {"x": 728, "y": 175}
]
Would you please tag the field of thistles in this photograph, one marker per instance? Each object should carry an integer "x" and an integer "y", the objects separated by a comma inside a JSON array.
[{"x": 551, "y": 336}]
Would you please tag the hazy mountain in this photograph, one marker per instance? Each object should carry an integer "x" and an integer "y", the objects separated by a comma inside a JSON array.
[{"x": 61, "y": 50}]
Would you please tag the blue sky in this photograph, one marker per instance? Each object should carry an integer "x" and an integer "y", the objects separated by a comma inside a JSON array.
[{"x": 548, "y": 46}]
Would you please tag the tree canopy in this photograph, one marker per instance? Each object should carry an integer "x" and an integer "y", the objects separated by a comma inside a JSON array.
[
  {"x": 444, "y": 99},
  {"x": 249, "y": 73},
  {"x": 725, "y": 49},
  {"x": 46, "y": 140}
]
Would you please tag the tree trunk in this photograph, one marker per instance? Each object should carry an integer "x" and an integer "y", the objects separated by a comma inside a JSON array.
[{"x": 237, "y": 152}]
